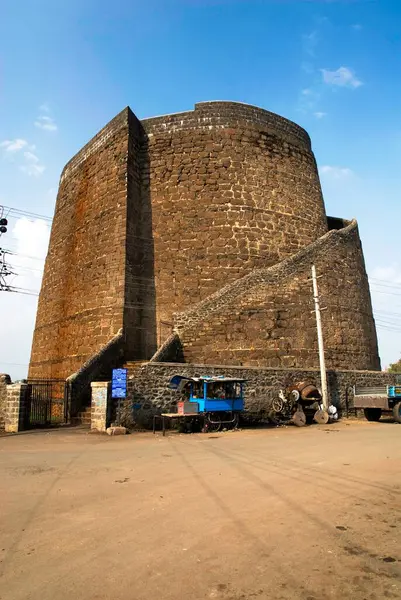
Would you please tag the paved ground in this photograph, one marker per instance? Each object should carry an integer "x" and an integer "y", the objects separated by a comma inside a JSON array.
[{"x": 310, "y": 513}]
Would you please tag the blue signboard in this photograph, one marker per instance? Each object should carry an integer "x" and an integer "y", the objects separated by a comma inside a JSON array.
[{"x": 119, "y": 383}]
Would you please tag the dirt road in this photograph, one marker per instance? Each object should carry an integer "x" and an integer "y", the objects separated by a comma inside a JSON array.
[{"x": 310, "y": 513}]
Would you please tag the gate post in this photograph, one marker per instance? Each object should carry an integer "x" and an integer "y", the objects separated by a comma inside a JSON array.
[
  {"x": 17, "y": 407},
  {"x": 100, "y": 405}
]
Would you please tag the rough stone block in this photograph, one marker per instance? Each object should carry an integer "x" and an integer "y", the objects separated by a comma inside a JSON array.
[{"x": 116, "y": 430}]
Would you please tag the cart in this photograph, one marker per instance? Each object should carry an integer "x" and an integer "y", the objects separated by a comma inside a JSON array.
[{"x": 213, "y": 402}]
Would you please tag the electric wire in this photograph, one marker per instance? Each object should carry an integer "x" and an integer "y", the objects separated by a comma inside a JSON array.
[{"x": 25, "y": 213}]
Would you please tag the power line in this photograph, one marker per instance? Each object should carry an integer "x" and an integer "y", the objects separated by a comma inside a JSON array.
[
  {"x": 22, "y": 255},
  {"x": 388, "y": 323},
  {"x": 382, "y": 286},
  {"x": 387, "y": 293},
  {"x": 24, "y": 268},
  {"x": 384, "y": 328},
  {"x": 20, "y": 290},
  {"x": 391, "y": 316},
  {"x": 6, "y": 271},
  {"x": 385, "y": 282},
  {"x": 25, "y": 213},
  {"x": 31, "y": 219}
]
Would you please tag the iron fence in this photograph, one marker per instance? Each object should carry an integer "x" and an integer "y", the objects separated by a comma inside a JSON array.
[{"x": 48, "y": 402}]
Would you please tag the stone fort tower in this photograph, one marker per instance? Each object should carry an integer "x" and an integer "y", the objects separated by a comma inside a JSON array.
[{"x": 189, "y": 237}]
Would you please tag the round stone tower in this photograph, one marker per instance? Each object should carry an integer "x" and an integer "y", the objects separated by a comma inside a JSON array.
[
  {"x": 232, "y": 188},
  {"x": 160, "y": 222}
]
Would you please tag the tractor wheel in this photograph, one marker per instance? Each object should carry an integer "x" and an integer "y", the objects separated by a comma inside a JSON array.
[
  {"x": 212, "y": 422},
  {"x": 373, "y": 414},
  {"x": 235, "y": 423},
  {"x": 397, "y": 412}
]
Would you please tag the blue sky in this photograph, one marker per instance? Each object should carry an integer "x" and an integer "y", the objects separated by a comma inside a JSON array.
[{"x": 334, "y": 67}]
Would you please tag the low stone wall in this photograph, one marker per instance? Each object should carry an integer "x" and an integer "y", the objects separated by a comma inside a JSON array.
[
  {"x": 4, "y": 381},
  {"x": 149, "y": 393}
]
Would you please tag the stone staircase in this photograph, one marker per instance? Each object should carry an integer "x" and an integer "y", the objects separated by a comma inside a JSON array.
[{"x": 83, "y": 417}]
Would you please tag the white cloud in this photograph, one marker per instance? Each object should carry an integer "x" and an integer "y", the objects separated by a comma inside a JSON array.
[
  {"x": 32, "y": 238},
  {"x": 310, "y": 41},
  {"x": 31, "y": 157},
  {"x": 45, "y": 122},
  {"x": 335, "y": 172},
  {"x": 13, "y": 145},
  {"x": 320, "y": 115},
  {"x": 342, "y": 77},
  {"x": 308, "y": 100},
  {"x": 32, "y": 165},
  {"x": 44, "y": 107}
]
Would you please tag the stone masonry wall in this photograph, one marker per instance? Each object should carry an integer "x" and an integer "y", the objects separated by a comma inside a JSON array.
[
  {"x": 149, "y": 391},
  {"x": 267, "y": 318},
  {"x": 4, "y": 381},
  {"x": 82, "y": 297},
  {"x": 156, "y": 217},
  {"x": 140, "y": 304},
  {"x": 17, "y": 409},
  {"x": 232, "y": 188}
]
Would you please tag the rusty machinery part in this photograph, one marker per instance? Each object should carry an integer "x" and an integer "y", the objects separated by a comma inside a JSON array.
[
  {"x": 279, "y": 418},
  {"x": 277, "y": 404},
  {"x": 397, "y": 412},
  {"x": 308, "y": 393},
  {"x": 295, "y": 395},
  {"x": 299, "y": 418},
  {"x": 321, "y": 417}
]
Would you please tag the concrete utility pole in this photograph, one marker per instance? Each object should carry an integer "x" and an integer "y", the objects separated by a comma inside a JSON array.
[{"x": 325, "y": 395}]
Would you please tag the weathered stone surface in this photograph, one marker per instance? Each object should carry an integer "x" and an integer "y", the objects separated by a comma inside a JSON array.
[
  {"x": 100, "y": 405},
  {"x": 149, "y": 390},
  {"x": 233, "y": 187},
  {"x": 116, "y": 430},
  {"x": 81, "y": 304},
  {"x": 4, "y": 381},
  {"x": 155, "y": 220},
  {"x": 267, "y": 318},
  {"x": 16, "y": 413}
]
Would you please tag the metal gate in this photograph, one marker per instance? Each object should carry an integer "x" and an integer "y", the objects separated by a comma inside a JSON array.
[{"x": 47, "y": 403}]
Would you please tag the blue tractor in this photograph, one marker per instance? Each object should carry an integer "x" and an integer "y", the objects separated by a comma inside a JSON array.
[{"x": 213, "y": 402}]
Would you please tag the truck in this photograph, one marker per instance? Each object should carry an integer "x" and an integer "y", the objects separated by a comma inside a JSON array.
[{"x": 378, "y": 400}]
